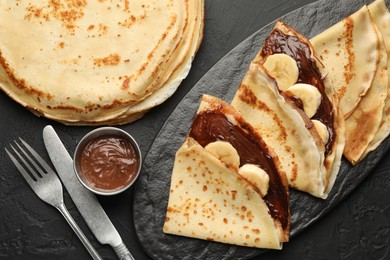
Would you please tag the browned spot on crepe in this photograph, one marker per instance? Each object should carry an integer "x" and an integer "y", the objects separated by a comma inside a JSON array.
[
  {"x": 349, "y": 67},
  {"x": 247, "y": 96}
]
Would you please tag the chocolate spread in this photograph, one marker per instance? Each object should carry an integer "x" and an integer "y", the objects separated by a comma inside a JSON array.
[
  {"x": 278, "y": 42},
  {"x": 109, "y": 162},
  {"x": 211, "y": 126}
]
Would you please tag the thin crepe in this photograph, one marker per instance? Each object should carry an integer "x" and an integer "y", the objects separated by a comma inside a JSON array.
[
  {"x": 96, "y": 64},
  {"x": 381, "y": 16},
  {"x": 180, "y": 73},
  {"x": 365, "y": 123},
  {"x": 282, "y": 127},
  {"x": 351, "y": 61},
  {"x": 210, "y": 200},
  {"x": 322, "y": 178},
  {"x": 196, "y": 209}
]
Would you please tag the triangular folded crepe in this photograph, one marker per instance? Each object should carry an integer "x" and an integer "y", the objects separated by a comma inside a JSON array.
[
  {"x": 363, "y": 85},
  {"x": 381, "y": 16},
  {"x": 282, "y": 127},
  {"x": 349, "y": 51},
  {"x": 208, "y": 198},
  {"x": 364, "y": 122},
  {"x": 311, "y": 163}
]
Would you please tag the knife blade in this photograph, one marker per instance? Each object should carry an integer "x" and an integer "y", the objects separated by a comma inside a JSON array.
[{"x": 85, "y": 201}]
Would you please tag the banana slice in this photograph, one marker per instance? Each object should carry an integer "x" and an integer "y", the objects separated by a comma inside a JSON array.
[
  {"x": 256, "y": 176},
  {"x": 225, "y": 152},
  {"x": 283, "y": 69},
  {"x": 322, "y": 130},
  {"x": 309, "y": 95}
]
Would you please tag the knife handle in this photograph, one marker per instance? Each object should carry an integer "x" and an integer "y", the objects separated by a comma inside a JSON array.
[
  {"x": 94, "y": 254},
  {"x": 122, "y": 252}
]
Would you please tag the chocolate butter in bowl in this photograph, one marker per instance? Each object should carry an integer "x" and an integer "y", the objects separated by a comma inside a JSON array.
[{"x": 107, "y": 160}]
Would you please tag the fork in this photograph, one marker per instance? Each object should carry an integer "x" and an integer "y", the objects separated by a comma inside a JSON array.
[{"x": 45, "y": 183}]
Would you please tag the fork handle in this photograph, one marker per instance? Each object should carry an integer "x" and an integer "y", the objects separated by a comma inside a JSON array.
[{"x": 95, "y": 255}]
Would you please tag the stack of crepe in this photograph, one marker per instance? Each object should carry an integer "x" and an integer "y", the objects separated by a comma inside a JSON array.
[
  {"x": 356, "y": 51},
  {"x": 300, "y": 106},
  {"x": 96, "y": 62}
]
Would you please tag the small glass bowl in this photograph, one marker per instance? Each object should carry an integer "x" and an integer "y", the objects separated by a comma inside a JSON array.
[{"x": 100, "y": 132}]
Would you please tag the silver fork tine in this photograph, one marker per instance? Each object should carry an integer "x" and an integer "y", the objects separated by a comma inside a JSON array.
[
  {"x": 47, "y": 186},
  {"x": 33, "y": 172},
  {"x": 25, "y": 174},
  {"x": 36, "y": 156},
  {"x": 40, "y": 171}
]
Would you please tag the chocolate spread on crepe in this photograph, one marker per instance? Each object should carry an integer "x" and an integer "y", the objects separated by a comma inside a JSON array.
[
  {"x": 211, "y": 200},
  {"x": 318, "y": 176},
  {"x": 211, "y": 126},
  {"x": 278, "y": 42},
  {"x": 283, "y": 128}
]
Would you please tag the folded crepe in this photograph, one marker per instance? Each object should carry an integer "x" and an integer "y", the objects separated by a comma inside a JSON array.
[
  {"x": 359, "y": 70},
  {"x": 291, "y": 104},
  {"x": 282, "y": 127},
  {"x": 349, "y": 51},
  {"x": 381, "y": 15},
  {"x": 219, "y": 184},
  {"x": 107, "y": 63}
]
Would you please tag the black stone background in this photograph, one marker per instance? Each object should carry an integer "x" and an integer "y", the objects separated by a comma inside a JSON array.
[{"x": 357, "y": 228}]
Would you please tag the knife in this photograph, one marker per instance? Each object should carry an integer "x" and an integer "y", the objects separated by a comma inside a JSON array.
[{"x": 85, "y": 201}]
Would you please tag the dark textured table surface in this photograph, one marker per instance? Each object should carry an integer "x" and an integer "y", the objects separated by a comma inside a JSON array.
[{"x": 358, "y": 228}]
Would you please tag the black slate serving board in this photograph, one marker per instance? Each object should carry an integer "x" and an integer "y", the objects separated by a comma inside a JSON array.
[{"x": 151, "y": 193}]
